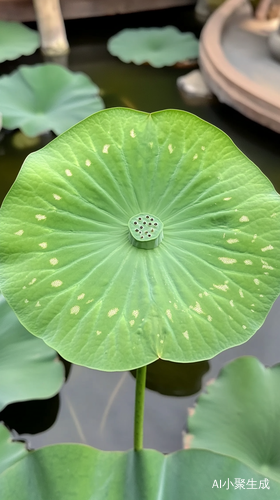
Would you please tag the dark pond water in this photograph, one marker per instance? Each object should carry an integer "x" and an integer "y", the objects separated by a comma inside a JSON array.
[{"x": 97, "y": 407}]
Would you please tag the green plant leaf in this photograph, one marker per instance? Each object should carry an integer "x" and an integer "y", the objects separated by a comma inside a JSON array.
[
  {"x": 157, "y": 46},
  {"x": 175, "y": 379},
  {"x": 61, "y": 472},
  {"x": 29, "y": 369},
  {"x": 46, "y": 97},
  {"x": 240, "y": 414},
  {"x": 10, "y": 452},
  {"x": 70, "y": 271},
  {"x": 17, "y": 40}
]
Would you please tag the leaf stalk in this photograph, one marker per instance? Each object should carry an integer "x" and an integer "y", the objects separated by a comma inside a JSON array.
[{"x": 139, "y": 407}]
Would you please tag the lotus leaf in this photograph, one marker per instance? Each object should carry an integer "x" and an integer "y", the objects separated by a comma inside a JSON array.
[
  {"x": 10, "y": 452},
  {"x": 240, "y": 414},
  {"x": 17, "y": 40},
  {"x": 157, "y": 46},
  {"x": 61, "y": 472},
  {"x": 175, "y": 379},
  {"x": 46, "y": 97},
  {"x": 70, "y": 262},
  {"x": 29, "y": 369}
]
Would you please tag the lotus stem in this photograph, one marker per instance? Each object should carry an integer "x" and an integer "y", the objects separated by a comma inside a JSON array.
[
  {"x": 139, "y": 407},
  {"x": 51, "y": 26}
]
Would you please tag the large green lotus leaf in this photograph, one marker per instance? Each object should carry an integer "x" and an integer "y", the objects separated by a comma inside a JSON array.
[
  {"x": 10, "y": 452},
  {"x": 29, "y": 369},
  {"x": 46, "y": 97},
  {"x": 240, "y": 416},
  {"x": 75, "y": 275},
  {"x": 61, "y": 472},
  {"x": 175, "y": 379},
  {"x": 157, "y": 46},
  {"x": 17, "y": 40}
]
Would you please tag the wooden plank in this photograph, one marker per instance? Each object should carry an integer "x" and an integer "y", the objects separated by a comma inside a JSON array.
[{"x": 22, "y": 10}]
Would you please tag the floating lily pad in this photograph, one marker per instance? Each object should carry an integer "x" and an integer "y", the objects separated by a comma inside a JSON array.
[
  {"x": 10, "y": 452},
  {"x": 157, "y": 46},
  {"x": 71, "y": 262},
  {"x": 17, "y": 40},
  {"x": 240, "y": 414},
  {"x": 29, "y": 369},
  {"x": 175, "y": 379},
  {"x": 46, "y": 97},
  {"x": 79, "y": 472}
]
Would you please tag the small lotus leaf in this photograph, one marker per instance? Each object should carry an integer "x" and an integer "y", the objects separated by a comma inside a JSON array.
[
  {"x": 46, "y": 97},
  {"x": 240, "y": 414},
  {"x": 68, "y": 265},
  {"x": 17, "y": 40},
  {"x": 175, "y": 379},
  {"x": 10, "y": 452},
  {"x": 157, "y": 46},
  {"x": 29, "y": 369},
  {"x": 61, "y": 472}
]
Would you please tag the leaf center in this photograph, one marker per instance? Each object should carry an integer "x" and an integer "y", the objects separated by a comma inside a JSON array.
[{"x": 145, "y": 231}]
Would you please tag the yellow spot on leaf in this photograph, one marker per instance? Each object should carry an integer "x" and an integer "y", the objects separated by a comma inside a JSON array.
[
  {"x": 56, "y": 197},
  {"x": 32, "y": 281},
  {"x": 197, "y": 308},
  {"x": 209, "y": 318},
  {"x": 170, "y": 148},
  {"x": 38, "y": 304},
  {"x": 244, "y": 327},
  {"x": 20, "y": 232},
  {"x": 131, "y": 322},
  {"x": 40, "y": 217},
  {"x": 232, "y": 240},
  {"x": 132, "y": 134},
  {"x": 26, "y": 301},
  {"x": 80, "y": 297},
  {"x": 135, "y": 313},
  {"x": 241, "y": 293},
  {"x": 98, "y": 332},
  {"x": 105, "y": 148},
  {"x": 88, "y": 163},
  {"x": 56, "y": 283},
  {"x": 256, "y": 281},
  {"x": 89, "y": 301},
  {"x": 186, "y": 335},
  {"x": 43, "y": 245},
  {"x": 227, "y": 260},
  {"x": 244, "y": 218},
  {"x": 227, "y": 199},
  {"x": 248, "y": 262},
  {"x": 269, "y": 247},
  {"x": 195, "y": 156},
  {"x": 224, "y": 288},
  {"x": 68, "y": 172},
  {"x": 169, "y": 314},
  {"x": 112, "y": 312},
  {"x": 53, "y": 261},
  {"x": 266, "y": 265},
  {"x": 75, "y": 310}
]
